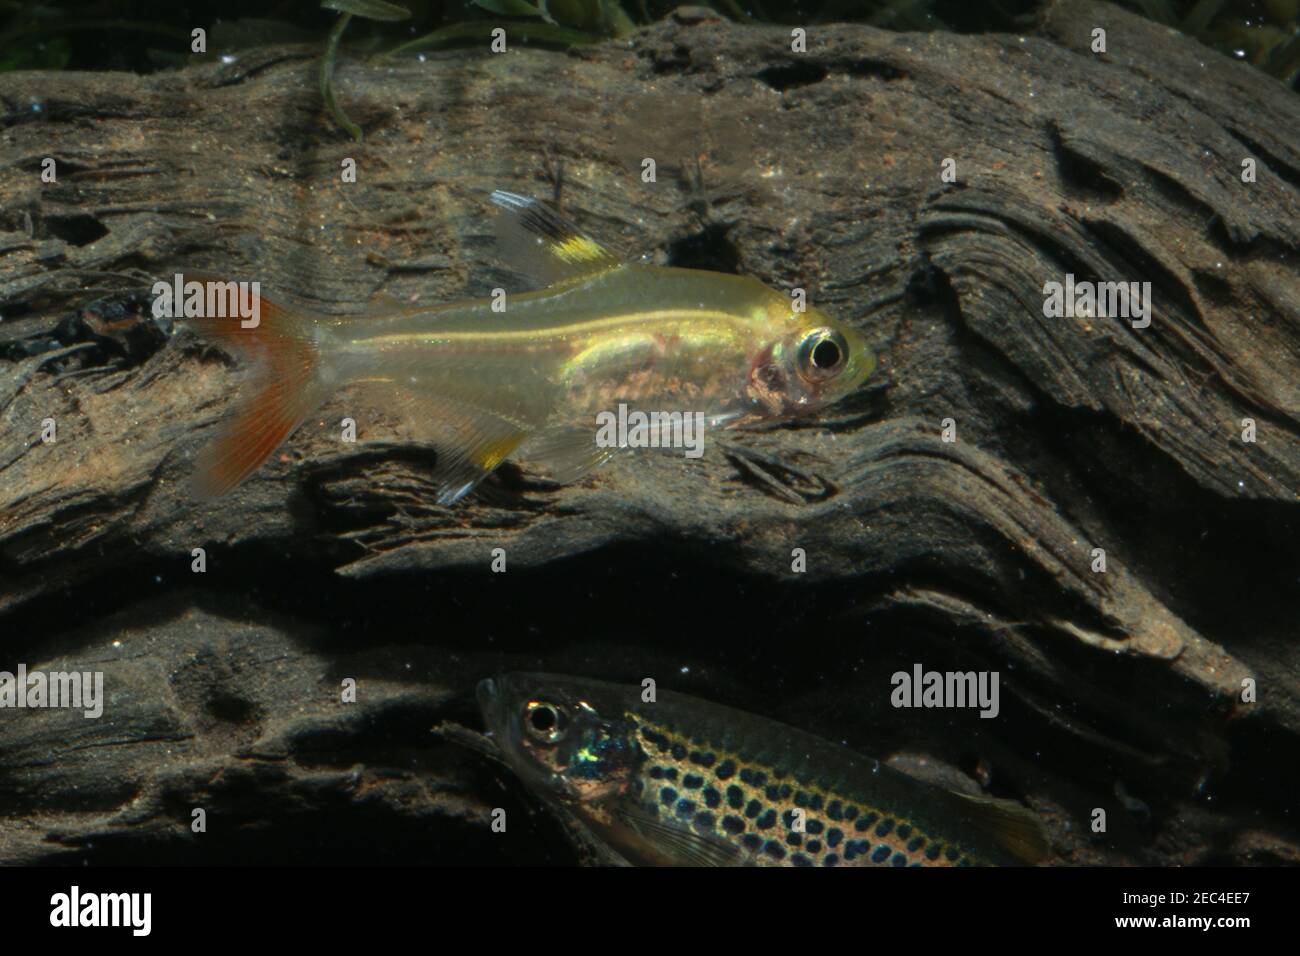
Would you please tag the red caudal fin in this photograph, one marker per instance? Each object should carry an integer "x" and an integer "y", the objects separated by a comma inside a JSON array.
[{"x": 283, "y": 390}]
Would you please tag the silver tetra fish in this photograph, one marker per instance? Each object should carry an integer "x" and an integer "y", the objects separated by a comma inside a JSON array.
[{"x": 482, "y": 385}]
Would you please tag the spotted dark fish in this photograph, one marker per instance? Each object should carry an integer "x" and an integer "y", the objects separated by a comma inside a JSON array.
[{"x": 685, "y": 782}]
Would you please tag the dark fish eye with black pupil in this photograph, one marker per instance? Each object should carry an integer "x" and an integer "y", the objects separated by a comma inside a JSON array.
[
  {"x": 823, "y": 353},
  {"x": 544, "y": 721},
  {"x": 826, "y": 354}
]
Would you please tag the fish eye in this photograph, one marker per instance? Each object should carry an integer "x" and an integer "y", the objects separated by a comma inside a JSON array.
[
  {"x": 822, "y": 354},
  {"x": 544, "y": 721}
]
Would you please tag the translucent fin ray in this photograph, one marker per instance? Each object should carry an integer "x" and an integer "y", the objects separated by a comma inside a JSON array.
[
  {"x": 470, "y": 442},
  {"x": 534, "y": 239},
  {"x": 682, "y": 847},
  {"x": 285, "y": 389},
  {"x": 564, "y": 454},
  {"x": 1013, "y": 827}
]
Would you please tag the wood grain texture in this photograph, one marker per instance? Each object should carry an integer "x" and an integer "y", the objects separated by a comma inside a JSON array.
[{"x": 820, "y": 170}]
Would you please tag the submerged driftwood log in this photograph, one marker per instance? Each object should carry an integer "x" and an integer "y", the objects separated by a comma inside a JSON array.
[{"x": 1121, "y": 690}]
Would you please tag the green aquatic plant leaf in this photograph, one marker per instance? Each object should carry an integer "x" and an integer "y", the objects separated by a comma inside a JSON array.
[
  {"x": 248, "y": 32},
  {"x": 1283, "y": 11},
  {"x": 327, "y": 79},
  {"x": 369, "y": 9},
  {"x": 546, "y": 33},
  {"x": 32, "y": 54},
  {"x": 1283, "y": 61},
  {"x": 733, "y": 10},
  {"x": 510, "y": 8},
  {"x": 1202, "y": 15},
  {"x": 903, "y": 15},
  {"x": 1160, "y": 11},
  {"x": 594, "y": 16}
]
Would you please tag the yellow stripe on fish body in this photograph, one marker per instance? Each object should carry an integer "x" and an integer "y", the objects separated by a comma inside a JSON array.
[{"x": 653, "y": 340}]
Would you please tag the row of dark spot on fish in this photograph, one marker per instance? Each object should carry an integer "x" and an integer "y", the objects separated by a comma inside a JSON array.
[{"x": 720, "y": 797}]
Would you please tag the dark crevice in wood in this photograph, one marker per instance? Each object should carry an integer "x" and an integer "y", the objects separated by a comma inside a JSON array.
[
  {"x": 1274, "y": 163},
  {"x": 792, "y": 75},
  {"x": 1083, "y": 175}
]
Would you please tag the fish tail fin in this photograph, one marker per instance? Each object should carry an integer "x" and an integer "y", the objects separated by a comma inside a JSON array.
[
  {"x": 1013, "y": 827},
  {"x": 284, "y": 389}
]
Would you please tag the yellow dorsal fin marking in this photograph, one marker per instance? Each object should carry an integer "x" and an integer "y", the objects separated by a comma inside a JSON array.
[
  {"x": 577, "y": 249},
  {"x": 534, "y": 239}
]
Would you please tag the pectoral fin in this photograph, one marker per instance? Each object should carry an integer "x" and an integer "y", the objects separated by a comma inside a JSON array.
[{"x": 670, "y": 840}]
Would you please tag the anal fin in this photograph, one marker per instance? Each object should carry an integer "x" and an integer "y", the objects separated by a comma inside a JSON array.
[
  {"x": 565, "y": 454},
  {"x": 470, "y": 442}
]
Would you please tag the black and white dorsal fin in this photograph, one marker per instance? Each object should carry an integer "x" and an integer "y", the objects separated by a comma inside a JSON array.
[{"x": 532, "y": 238}]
